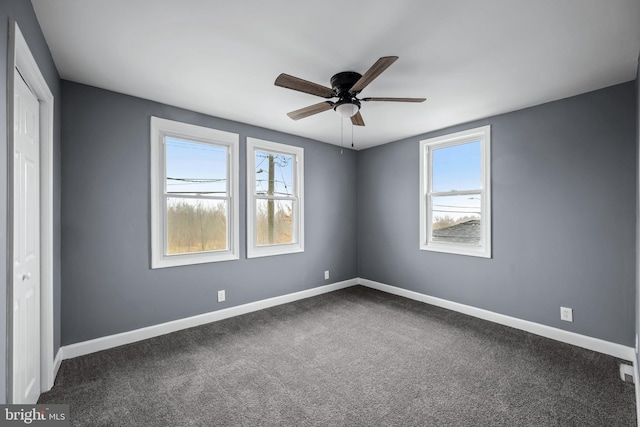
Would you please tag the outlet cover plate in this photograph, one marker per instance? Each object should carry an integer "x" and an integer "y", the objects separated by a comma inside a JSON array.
[
  {"x": 626, "y": 373},
  {"x": 326, "y": 275},
  {"x": 566, "y": 314},
  {"x": 221, "y": 296}
]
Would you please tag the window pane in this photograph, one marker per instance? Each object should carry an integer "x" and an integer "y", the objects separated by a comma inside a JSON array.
[
  {"x": 274, "y": 174},
  {"x": 195, "y": 167},
  {"x": 196, "y": 225},
  {"x": 274, "y": 222},
  {"x": 457, "y": 167},
  {"x": 457, "y": 219}
]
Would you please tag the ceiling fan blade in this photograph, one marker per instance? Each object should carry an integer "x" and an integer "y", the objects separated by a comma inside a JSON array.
[
  {"x": 357, "y": 120},
  {"x": 395, "y": 99},
  {"x": 373, "y": 72},
  {"x": 310, "y": 110},
  {"x": 295, "y": 83}
]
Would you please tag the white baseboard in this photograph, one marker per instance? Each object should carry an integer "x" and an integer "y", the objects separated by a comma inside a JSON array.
[
  {"x": 57, "y": 362},
  {"x": 636, "y": 383},
  {"x": 47, "y": 381},
  {"x": 617, "y": 350},
  {"x": 111, "y": 341}
]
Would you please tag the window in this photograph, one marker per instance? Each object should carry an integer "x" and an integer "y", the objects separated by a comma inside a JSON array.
[
  {"x": 194, "y": 194},
  {"x": 455, "y": 198},
  {"x": 275, "y": 208}
]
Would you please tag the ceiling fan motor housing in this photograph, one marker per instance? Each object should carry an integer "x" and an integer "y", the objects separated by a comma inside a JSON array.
[{"x": 342, "y": 82}]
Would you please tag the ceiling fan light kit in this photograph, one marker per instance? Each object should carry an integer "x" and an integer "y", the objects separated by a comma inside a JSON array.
[
  {"x": 347, "y": 109},
  {"x": 345, "y": 86}
]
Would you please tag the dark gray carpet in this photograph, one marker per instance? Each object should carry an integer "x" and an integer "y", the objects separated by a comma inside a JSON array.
[{"x": 355, "y": 357}]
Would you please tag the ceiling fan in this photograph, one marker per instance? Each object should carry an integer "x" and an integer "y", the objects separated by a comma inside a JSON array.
[{"x": 345, "y": 86}]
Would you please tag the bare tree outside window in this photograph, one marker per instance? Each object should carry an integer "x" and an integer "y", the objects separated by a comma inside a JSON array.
[{"x": 196, "y": 203}]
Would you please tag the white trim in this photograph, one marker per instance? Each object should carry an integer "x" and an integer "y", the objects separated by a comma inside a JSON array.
[
  {"x": 57, "y": 361},
  {"x": 160, "y": 128},
  {"x": 482, "y": 134},
  {"x": 26, "y": 63},
  {"x": 111, "y": 341},
  {"x": 253, "y": 250},
  {"x": 617, "y": 350},
  {"x": 636, "y": 383}
]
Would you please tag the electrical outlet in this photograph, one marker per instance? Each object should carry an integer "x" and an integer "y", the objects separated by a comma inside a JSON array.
[
  {"x": 626, "y": 373},
  {"x": 221, "y": 296},
  {"x": 326, "y": 275},
  {"x": 566, "y": 314}
]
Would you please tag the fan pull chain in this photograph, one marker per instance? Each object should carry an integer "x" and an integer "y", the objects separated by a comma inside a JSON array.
[
  {"x": 341, "y": 135},
  {"x": 351, "y": 135}
]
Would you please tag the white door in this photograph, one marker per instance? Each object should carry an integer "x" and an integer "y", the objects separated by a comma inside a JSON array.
[{"x": 26, "y": 245}]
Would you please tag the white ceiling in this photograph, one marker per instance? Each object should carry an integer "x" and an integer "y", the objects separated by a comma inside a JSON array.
[{"x": 469, "y": 58}]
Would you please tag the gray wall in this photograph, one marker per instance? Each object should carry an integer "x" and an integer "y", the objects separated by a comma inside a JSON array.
[
  {"x": 638, "y": 211},
  {"x": 564, "y": 217},
  {"x": 108, "y": 284},
  {"x": 22, "y": 12}
]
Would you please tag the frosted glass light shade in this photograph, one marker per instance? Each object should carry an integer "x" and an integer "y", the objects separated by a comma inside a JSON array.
[{"x": 347, "y": 110}]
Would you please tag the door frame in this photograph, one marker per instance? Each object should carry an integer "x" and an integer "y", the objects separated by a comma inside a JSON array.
[{"x": 21, "y": 58}]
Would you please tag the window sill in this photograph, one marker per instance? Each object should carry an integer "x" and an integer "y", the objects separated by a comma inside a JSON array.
[
  {"x": 479, "y": 252},
  {"x": 264, "y": 251},
  {"x": 190, "y": 259}
]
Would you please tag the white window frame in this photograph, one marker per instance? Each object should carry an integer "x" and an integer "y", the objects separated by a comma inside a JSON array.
[
  {"x": 482, "y": 134},
  {"x": 160, "y": 129},
  {"x": 253, "y": 250}
]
